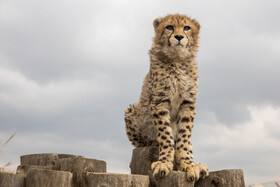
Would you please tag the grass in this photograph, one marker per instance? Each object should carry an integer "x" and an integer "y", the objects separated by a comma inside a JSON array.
[{"x": 4, "y": 168}]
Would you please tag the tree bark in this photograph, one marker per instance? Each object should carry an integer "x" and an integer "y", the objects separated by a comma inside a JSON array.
[
  {"x": 142, "y": 159},
  {"x": 11, "y": 180},
  {"x": 47, "y": 159},
  {"x": 79, "y": 166},
  {"x": 116, "y": 180},
  {"x": 44, "y": 159},
  {"x": 48, "y": 178},
  {"x": 24, "y": 169},
  {"x": 223, "y": 178},
  {"x": 174, "y": 179}
]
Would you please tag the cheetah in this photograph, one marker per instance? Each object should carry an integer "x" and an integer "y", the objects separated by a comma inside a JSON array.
[{"x": 165, "y": 112}]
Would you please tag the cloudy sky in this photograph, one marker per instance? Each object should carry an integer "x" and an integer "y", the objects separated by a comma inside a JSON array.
[{"x": 68, "y": 69}]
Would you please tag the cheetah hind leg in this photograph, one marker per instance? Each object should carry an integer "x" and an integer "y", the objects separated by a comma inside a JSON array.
[{"x": 132, "y": 130}]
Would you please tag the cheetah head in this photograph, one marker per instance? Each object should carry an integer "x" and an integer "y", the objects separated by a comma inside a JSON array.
[{"x": 176, "y": 34}]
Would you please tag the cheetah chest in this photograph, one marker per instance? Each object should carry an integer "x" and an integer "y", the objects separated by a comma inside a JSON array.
[{"x": 181, "y": 91}]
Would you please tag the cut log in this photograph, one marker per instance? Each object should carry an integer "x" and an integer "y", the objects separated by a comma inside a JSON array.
[
  {"x": 223, "y": 178},
  {"x": 24, "y": 169},
  {"x": 60, "y": 156},
  {"x": 174, "y": 179},
  {"x": 142, "y": 159},
  {"x": 116, "y": 180},
  {"x": 45, "y": 159},
  {"x": 11, "y": 180},
  {"x": 47, "y": 178},
  {"x": 79, "y": 166}
]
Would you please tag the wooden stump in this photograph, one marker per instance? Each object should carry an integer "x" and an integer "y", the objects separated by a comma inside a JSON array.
[
  {"x": 223, "y": 178},
  {"x": 116, "y": 180},
  {"x": 174, "y": 179},
  {"x": 48, "y": 178},
  {"x": 11, "y": 180},
  {"x": 60, "y": 156},
  {"x": 69, "y": 170},
  {"x": 24, "y": 169},
  {"x": 79, "y": 166},
  {"x": 142, "y": 159},
  {"x": 44, "y": 159}
]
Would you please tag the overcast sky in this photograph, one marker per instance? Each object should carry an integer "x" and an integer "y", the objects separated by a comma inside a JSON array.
[{"x": 68, "y": 70}]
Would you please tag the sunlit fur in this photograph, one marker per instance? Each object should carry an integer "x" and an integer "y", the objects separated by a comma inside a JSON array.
[
  {"x": 165, "y": 112},
  {"x": 165, "y": 41}
]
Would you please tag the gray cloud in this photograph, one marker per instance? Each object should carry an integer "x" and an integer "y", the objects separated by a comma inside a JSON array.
[
  {"x": 68, "y": 70},
  {"x": 246, "y": 145}
]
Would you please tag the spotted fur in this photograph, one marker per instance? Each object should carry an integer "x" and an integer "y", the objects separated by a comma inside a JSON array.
[{"x": 165, "y": 113}]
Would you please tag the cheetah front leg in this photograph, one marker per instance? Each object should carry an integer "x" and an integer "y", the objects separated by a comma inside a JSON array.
[
  {"x": 161, "y": 117},
  {"x": 184, "y": 154}
]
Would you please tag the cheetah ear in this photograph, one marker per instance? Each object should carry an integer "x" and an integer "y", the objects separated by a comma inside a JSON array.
[
  {"x": 196, "y": 23},
  {"x": 157, "y": 21}
]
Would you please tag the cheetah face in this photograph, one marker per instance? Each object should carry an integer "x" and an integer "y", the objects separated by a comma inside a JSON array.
[
  {"x": 177, "y": 36},
  {"x": 176, "y": 32}
]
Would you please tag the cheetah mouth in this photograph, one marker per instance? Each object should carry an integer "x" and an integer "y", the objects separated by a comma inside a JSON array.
[{"x": 179, "y": 44}]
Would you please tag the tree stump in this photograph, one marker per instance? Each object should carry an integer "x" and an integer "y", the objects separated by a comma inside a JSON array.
[
  {"x": 44, "y": 159},
  {"x": 11, "y": 180},
  {"x": 79, "y": 166},
  {"x": 69, "y": 170},
  {"x": 22, "y": 169},
  {"x": 142, "y": 159},
  {"x": 48, "y": 178},
  {"x": 116, "y": 180},
  {"x": 174, "y": 179},
  {"x": 223, "y": 178}
]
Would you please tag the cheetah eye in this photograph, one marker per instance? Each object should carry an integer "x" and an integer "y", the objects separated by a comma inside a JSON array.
[
  {"x": 186, "y": 28},
  {"x": 169, "y": 27}
]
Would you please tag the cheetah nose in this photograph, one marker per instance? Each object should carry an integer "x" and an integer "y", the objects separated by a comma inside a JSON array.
[{"x": 179, "y": 37}]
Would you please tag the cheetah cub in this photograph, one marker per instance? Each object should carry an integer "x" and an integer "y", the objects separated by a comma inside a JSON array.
[{"x": 165, "y": 112}]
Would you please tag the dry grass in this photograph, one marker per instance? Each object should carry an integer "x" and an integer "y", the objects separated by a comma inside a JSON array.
[{"x": 4, "y": 168}]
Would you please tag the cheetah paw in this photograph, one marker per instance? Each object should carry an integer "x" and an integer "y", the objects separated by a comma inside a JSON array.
[
  {"x": 194, "y": 171},
  {"x": 161, "y": 169}
]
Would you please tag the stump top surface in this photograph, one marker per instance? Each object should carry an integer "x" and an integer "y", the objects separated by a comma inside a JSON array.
[
  {"x": 40, "y": 154},
  {"x": 42, "y": 170},
  {"x": 115, "y": 174}
]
